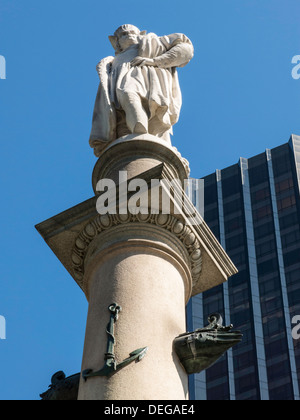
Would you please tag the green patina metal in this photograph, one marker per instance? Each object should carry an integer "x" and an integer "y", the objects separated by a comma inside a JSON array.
[
  {"x": 199, "y": 350},
  {"x": 111, "y": 366}
]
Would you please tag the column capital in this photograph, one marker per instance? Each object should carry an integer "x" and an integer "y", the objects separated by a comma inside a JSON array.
[{"x": 164, "y": 232}]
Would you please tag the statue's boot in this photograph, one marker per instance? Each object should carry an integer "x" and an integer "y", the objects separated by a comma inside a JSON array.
[{"x": 140, "y": 128}]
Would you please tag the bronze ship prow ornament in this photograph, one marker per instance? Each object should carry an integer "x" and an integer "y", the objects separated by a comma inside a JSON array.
[{"x": 199, "y": 350}]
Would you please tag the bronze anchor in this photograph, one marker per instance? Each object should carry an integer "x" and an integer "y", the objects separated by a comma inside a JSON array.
[{"x": 111, "y": 367}]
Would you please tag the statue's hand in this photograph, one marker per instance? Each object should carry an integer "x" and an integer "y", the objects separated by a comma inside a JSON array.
[{"x": 142, "y": 61}]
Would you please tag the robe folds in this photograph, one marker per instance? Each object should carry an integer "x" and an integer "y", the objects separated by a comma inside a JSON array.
[{"x": 156, "y": 85}]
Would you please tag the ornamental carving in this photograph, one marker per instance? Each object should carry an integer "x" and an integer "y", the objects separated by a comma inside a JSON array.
[{"x": 102, "y": 223}]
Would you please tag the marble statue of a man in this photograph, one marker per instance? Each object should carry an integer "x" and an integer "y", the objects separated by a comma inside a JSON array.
[{"x": 139, "y": 91}]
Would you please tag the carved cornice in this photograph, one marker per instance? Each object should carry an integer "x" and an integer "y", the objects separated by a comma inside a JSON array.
[{"x": 102, "y": 224}]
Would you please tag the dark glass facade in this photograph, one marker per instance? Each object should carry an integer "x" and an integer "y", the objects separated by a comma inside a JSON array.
[{"x": 253, "y": 209}]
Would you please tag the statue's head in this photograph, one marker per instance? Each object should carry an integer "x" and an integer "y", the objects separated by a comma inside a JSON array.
[{"x": 125, "y": 36}]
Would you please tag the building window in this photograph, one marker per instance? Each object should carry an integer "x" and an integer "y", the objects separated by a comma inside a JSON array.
[
  {"x": 281, "y": 163},
  {"x": 265, "y": 248},
  {"x": 291, "y": 258},
  {"x": 245, "y": 383},
  {"x": 262, "y": 213},
  {"x": 258, "y": 174},
  {"x": 264, "y": 230},
  {"x": 287, "y": 184},
  {"x": 286, "y": 203},
  {"x": 282, "y": 393},
  {"x": 269, "y": 285},
  {"x": 260, "y": 195},
  {"x": 234, "y": 242},
  {"x": 267, "y": 267},
  {"x": 232, "y": 207},
  {"x": 290, "y": 238},
  {"x": 231, "y": 186},
  {"x": 289, "y": 220}
]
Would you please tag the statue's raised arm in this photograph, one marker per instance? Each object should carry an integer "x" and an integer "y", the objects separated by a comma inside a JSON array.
[{"x": 139, "y": 91}]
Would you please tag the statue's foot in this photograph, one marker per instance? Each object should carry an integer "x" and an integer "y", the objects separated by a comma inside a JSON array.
[{"x": 140, "y": 128}]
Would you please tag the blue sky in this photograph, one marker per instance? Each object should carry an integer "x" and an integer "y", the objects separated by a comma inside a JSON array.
[{"x": 239, "y": 98}]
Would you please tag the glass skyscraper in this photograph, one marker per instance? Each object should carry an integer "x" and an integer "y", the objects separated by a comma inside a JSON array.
[{"x": 253, "y": 208}]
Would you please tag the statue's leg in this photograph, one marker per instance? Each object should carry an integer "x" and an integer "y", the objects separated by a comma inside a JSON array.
[
  {"x": 122, "y": 129},
  {"x": 136, "y": 116},
  {"x": 159, "y": 129}
]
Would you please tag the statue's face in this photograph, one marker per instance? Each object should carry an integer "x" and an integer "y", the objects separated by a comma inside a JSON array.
[{"x": 128, "y": 38}]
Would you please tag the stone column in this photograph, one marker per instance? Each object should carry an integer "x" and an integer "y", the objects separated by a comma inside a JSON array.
[
  {"x": 142, "y": 268},
  {"x": 148, "y": 264},
  {"x": 137, "y": 262}
]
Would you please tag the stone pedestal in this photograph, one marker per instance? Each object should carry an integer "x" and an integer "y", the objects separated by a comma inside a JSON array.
[
  {"x": 149, "y": 264},
  {"x": 136, "y": 154}
]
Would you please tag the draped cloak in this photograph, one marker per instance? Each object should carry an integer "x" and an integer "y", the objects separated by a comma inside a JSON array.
[{"x": 158, "y": 85}]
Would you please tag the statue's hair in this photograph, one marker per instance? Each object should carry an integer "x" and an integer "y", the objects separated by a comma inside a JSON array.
[{"x": 124, "y": 28}]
